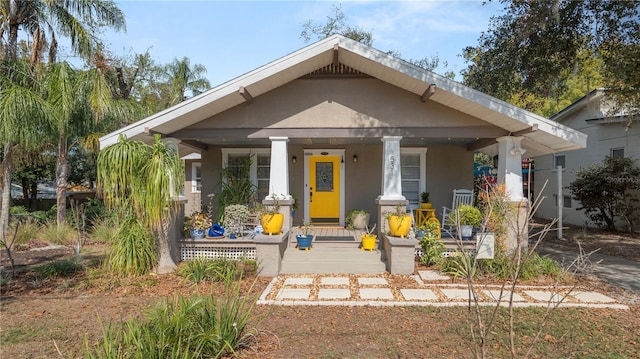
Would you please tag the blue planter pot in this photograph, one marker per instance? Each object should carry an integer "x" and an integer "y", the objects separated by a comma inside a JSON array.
[
  {"x": 216, "y": 231},
  {"x": 197, "y": 233},
  {"x": 304, "y": 242}
]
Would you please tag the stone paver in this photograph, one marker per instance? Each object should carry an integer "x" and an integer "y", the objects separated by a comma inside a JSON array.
[
  {"x": 495, "y": 294},
  {"x": 376, "y": 293},
  {"x": 543, "y": 296},
  {"x": 298, "y": 281},
  {"x": 334, "y": 293},
  {"x": 334, "y": 281},
  {"x": 294, "y": 293},
  {"x": 456, "y": 294},
  {"x": 591, "y": 297},
  {"x": 418, "y": 294},
  {"x": 372, "y": 281},
  {"x": 431, "y": 275}
]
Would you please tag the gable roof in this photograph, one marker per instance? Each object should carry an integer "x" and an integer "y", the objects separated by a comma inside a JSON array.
[{"x": 541, "y": 135}]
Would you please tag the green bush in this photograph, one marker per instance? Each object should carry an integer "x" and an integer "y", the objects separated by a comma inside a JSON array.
[
  {"x": 216, "y": 270},
  {"x": 196, "y": 327},
  {"x": 132, "y": 251},
  {"x": 103, "y": 230},
  {"x": 62, "y": 268},
  {"x": 64, "y": 234},
  {"x": 432, "y": 249}
]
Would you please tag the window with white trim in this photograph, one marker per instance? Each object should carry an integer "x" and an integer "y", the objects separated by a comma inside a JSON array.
[
  {"x": 196, "y": 177},
  {"x": 413, "y": 168},
  {"x": 259, "y": 161},
  {"x": 559, "y": 160},
  {"x": 617, "y": 152}
]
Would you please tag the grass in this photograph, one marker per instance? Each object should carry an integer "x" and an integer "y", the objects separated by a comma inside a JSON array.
[
  {"x": 182, "y": 327},
  {"x": 65, "y": 234},
  {"x": 61, "y": 268}
]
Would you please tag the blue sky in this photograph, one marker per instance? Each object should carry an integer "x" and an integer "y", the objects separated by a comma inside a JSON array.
[{"x": 232, "y": 38}]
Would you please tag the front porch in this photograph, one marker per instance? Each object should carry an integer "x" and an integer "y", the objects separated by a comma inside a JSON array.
[{"x": 335, "y": 250}]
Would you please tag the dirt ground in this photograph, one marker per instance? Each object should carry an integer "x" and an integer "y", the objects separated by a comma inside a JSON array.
[{"x": 53, "y": 318}]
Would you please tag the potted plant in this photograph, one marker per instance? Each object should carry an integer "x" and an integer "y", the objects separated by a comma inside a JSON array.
[
  {"x": 424, "y": 200},
  {"x": 369, "y": 239},
  {"x": 270, "y": 217},
  {"x": 234, "y": 218},
  {"x": 465, "y": 216},
  {"x": 197, "y": 224},
  {"x": 305, "y": 238},
  {"x": 399, "y": 222},
  {"x": 357, "y": 219}
]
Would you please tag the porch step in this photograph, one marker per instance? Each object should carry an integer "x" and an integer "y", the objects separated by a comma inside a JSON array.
[{"x": 331, "y": 260}]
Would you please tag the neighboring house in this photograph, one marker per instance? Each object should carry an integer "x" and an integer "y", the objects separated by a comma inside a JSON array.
[
  {"x": 608, "y": 136},
  {"x": 341, "y": 125}
]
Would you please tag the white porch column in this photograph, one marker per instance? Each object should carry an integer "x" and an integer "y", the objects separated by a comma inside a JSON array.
[
  {"x": 510, "y": 166},
  {"x": 391, "y": 178},
  {"x": 279, "y": 172}
]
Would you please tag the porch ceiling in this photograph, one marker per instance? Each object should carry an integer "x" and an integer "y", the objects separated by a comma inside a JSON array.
[{"x": 542, "y": 136}]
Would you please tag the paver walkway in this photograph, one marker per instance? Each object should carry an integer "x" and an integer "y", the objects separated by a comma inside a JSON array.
[{"x": 426, "y": 289}]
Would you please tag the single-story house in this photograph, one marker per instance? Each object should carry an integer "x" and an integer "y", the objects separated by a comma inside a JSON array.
[
  {"x": 614, "y": 136},
  {"x": 339, "y": 125}
]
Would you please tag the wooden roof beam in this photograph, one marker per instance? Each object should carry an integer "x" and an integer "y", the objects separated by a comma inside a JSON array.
[
  {"x": 149, "y": 132},
  {"x": 195, "y": 145},
  {"x": 336, "y": 49},
  {"x": 245, "y": 93},
  {"x": 531, "y": 129},
  {"x": 430, "y": 91}
]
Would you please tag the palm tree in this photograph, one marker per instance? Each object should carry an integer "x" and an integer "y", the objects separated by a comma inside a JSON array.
[
  {"x": 181, "y": 77},
  {"x": 24, "y": 118},
  {"x": 41, "y": 19},
  {"x": 141, "y": 182}
]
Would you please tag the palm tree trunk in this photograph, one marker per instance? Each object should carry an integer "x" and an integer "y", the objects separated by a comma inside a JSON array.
[
  {"x": 6, "y": 190},
  {"x": 61, "y": 179}
]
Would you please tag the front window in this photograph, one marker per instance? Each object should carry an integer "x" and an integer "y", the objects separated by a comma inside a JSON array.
[
  {"x": 413, "y": 165},
  {"x": 237, "y": 162},
  {"x": 196, "y": 177},
  {"x": 559, "y": 160}
]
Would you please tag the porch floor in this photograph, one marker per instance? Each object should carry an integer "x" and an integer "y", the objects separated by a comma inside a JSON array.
[{"x": 331, "y": 257}]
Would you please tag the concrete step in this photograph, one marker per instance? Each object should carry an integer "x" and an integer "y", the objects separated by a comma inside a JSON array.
[{"x": 331, "y": 260}]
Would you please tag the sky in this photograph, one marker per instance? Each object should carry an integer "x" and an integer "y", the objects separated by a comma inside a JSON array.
[{"x": 231, "y": 38}]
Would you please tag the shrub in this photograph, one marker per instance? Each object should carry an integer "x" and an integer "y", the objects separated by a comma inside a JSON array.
[
  {"x": 64, "y": 234},
  {"x": 606, "y": 191},
  {"x": 196, "y": 327},
  {"x": 132, "y": 250},
  {"x": 103, "y": 230},
  {"x": 29, "y": 229},
  {"x": 432, "y": 249},
  {"x": 465, "y": 215},
  {"x": 62, "y": 268}
]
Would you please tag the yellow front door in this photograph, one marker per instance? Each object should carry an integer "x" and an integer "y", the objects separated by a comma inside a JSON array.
[{"x": 324, "y": 189}]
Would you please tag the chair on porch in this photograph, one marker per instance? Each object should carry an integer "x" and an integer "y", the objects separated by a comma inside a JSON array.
[{"x": 460, "y": 196}]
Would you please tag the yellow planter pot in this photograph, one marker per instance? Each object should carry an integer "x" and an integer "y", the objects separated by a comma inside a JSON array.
[
  {"x": 399, "y": 226},
  {"x": 368, "y": 242},
  {"x": 426, "y": 205},
  {"x": 272, "y": 223}
]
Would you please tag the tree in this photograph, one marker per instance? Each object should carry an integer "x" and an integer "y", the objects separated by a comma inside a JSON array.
[
  {"x": 24, "y": 116},
  {"x": 336, "y": 24},
  {"x": 41, "y": 19},
  {"x": 182, "y": 77},
  {"x": 531, "y": 52},
  {"x": 608, "y": 191},
  {"x": 141, "y": 182}
]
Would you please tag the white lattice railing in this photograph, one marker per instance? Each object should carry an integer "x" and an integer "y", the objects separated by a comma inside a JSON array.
[{"x": 214, "y": 249}]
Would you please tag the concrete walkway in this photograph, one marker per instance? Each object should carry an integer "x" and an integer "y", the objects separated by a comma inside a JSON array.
[
  {"x": 616, "y": 271},
  {"x": 426, "y": 289}
]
